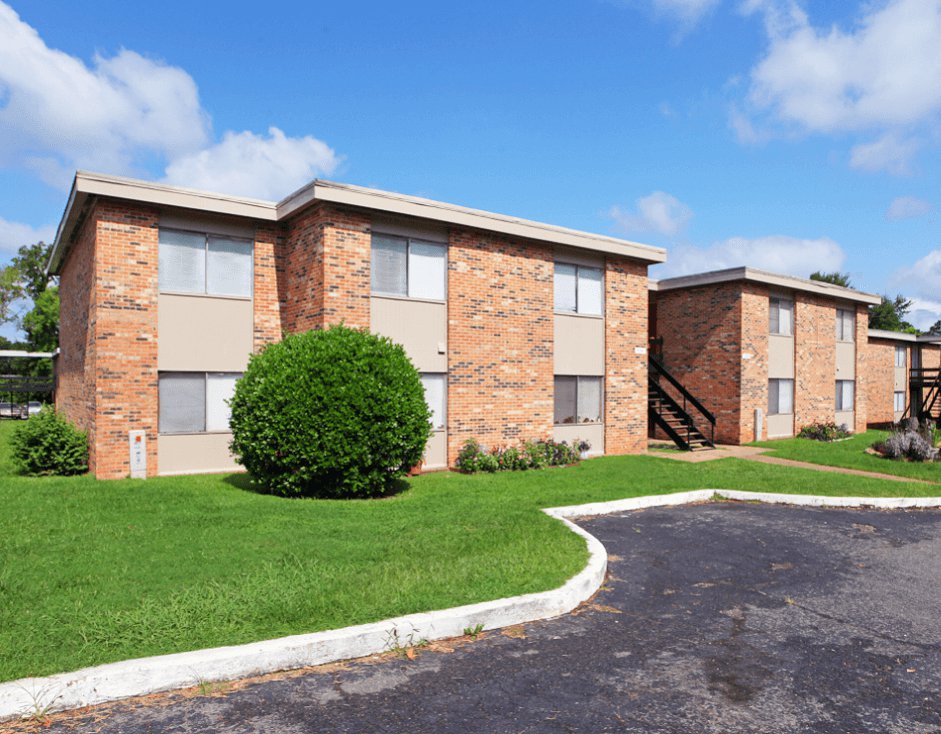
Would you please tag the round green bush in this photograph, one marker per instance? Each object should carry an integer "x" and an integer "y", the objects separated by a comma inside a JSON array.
[
  {"x": 333, "y": 413},
  {"x": 47, "y": 444}
]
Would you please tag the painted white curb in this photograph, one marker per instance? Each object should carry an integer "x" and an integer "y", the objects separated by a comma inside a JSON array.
[{"x": 142, "y": 676}]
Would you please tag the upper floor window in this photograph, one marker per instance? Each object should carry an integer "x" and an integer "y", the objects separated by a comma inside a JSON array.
[
  {"x": 402, "y": 266},
  {"x": 193, "y": 262},
  {"x": 900, "y": 356},
  {"x": 845, "y": 325},
  {"x": 579, "y": 289},
  {"x": 916, "y": 357},
  {"x": 781, "y": 318}
]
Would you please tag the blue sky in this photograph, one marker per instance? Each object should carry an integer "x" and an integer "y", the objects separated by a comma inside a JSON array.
[{"x": 781, "y": 134}]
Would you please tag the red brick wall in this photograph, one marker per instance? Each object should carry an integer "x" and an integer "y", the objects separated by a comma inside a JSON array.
[
  {"x": 815, "y": 357},
  {"x": 862, "y": 368},
  {"x": 754, "y": 381},
  {"x": 125, "y": 316},
  {"x": 702, "y": 331},
  {"x": 75, "y": 366},
  {"x": 500, "y": 340},
  {"x": 268, "y": 277},
  {"x": 880, "y": 380},
  {"x": 626, "y": 332},
  {"x": 302, "y": 283}
]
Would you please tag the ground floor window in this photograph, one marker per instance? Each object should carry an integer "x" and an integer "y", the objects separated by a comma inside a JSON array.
[
  {"x": 195, "y": 402},
  {"x": 578, "y": 399},
  {"x": 436, "y": 395},
  {"x": 899, "y": 401},
  {"x": 844, "y": 395},
  {"x": 780, "y": 397}
]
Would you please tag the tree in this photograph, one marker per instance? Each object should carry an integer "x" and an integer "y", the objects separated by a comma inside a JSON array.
[
  {"x": 24, "y": 285},
  {"x": 889, "y": 315},
  {"x": 41, "y": 324},
  {"x": 836, "y": 278},
  {"x": 935, "y": 329}
]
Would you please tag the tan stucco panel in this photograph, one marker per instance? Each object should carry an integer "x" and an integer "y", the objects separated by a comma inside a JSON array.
[
  {"x": 845, "y": 417},
  {"x": 845, "y": 361},
  {"x": 203, "y": 334},
  {"x": 436, "y": 451},
  {"x": 780, "y": 426},
  {"x": 195, "y": 453},
  {"x": 901, "y": 379},
  {"x": 591, "y": 432},
  {"x": 780, "y": 357},
  {"x": 419, "y": 326},
  {"x": 579, "y": 345}
]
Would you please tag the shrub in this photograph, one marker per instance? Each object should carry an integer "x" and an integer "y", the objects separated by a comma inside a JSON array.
[
  {"x": 333, "y": 413},
  {"x": 824, "y": 431},
  {"x": 48, "y": 444},
  {"x": 529, "y": 455},
  {"x": 909, "y": 440}
]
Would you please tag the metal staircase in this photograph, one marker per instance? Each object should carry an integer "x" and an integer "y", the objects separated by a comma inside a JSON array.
[
  {"x": 925, "y": 394},
  {"x": 671, "y": 411}
]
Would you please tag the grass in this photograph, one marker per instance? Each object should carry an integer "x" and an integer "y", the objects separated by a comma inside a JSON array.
[
  {"x": 93, "y": 572},
  {"x": 851, "y": 454}
]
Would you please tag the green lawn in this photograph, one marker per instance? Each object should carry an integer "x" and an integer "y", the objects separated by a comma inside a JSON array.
[
  {"x": 851, "y": 454},
  {"x": 93, "y": 572}
]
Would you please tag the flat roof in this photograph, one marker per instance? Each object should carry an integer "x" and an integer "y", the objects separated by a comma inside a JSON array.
[
  {"x": 87, "y": 185},
  {"x": 898, "y": 336},
  {"x": 762, "y": 276}
]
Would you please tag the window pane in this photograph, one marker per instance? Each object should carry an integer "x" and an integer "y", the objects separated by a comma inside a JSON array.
[
  {"x": 916, "y": 357},
  {"x": 388, "y": 265},
  {"x": 785, "y": 397},
  {"x": 786, "y": 318},
  {"x": 900, "y": 356},
  {"x": 565, "y": 287},
  {"x": 590, "y": 291},
  {"x": 589, "y": 400},
  {"x": 220, "y": 387},
  {"x": 847, "y": 392},
  {"x": 426, "y": 270},
  {"x": 774, "y": 314},
  {"x": 229, "y": 267},
  {"x": 899, "y": 402},
  {"x": 182, "y": 262},
  {"x": 839, "y": 325},
  {"x": 773, "y": 397},
  {"x": 436, "y": 397},
  {"x": 849, "y": 326},
  {"x": 565, "y": 388},
  {"x": 182, "y": 402}
]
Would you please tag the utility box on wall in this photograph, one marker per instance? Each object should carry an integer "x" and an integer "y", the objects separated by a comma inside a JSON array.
[{"x": 137, "y": 441}]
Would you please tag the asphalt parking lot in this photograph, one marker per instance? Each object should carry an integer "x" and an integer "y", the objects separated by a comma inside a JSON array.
[{"x": 716, "y": 618}]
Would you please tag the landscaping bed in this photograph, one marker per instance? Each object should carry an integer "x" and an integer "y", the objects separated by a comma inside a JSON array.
[{"x": 94, "y": 572}]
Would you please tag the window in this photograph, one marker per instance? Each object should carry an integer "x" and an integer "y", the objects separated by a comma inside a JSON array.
[
  {"x": 409, "y": 268},
  {"x": 195, "y": 402},
  {"x": 844, "y": 395},
  {"x": 578, "y": 400},
  {"x": 900, "y": 356},
  {"x": 579, "y": 289},
  {"x": 916, "y": 357},
  {"x": 845, "y": 325},
  {"x": 781, "y": 319},
  {"x": 436, "y": 395},
  {"x": 780, "y": 397},
  {"x": 191, "y": 262},
  {"x": 899, "y": 402}
]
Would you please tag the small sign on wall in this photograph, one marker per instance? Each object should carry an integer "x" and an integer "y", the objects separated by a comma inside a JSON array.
[
  {"x": 640, "y": 350},
  {"x": 138, "y": 447}
]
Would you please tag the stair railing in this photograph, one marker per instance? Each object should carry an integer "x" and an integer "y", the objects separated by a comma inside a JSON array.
[{"x": 657, "y": 369}]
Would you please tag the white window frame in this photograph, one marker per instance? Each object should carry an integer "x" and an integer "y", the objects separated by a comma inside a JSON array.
[
  {"x": 844, "y": 315},
  {"x": 578, "y": 289},
  {"x": 774, "y": 314},
  {"x": 206, "y": 377},
  {"x": 601, "y": 398},
  {"x": 896, "y": 403},
  {"x": 900, "y": 352},
  {"x": 206, "y": 237},
  {"x": 408, "y": 241},
  {"x": 840, "y": 395},
  {"x": 777, "y": 407}
]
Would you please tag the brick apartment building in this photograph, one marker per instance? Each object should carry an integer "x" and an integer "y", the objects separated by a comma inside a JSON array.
[
  {"x": 765, "y": 353},
  {"x": 891, "y": 358},
  {"x": 520, "y": 330}
]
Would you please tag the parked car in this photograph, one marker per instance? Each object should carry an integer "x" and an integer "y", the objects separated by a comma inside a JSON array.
[
  {"x": 32, "y": 408},
  {"x": 13, "y": 410}
]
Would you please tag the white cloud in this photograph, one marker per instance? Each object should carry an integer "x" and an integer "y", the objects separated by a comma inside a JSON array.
[
  {"x": 908, "y": 207},
  {"x": 888, "y": 153},
  {"x": 251, "y": 165},
  {"x": 128, "y": 114},
  {"x": 881, "y": 79},
  {"x": 924, "y": 313},
  {"x": 658, "y": 212},
  {"x": 776, "y": 253},
  {"x": 57, "y": 113},
  {"x": 923, "y": 279},
  {"x": 15, "y": 234},
  {"x": 687, "y": 12}
]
